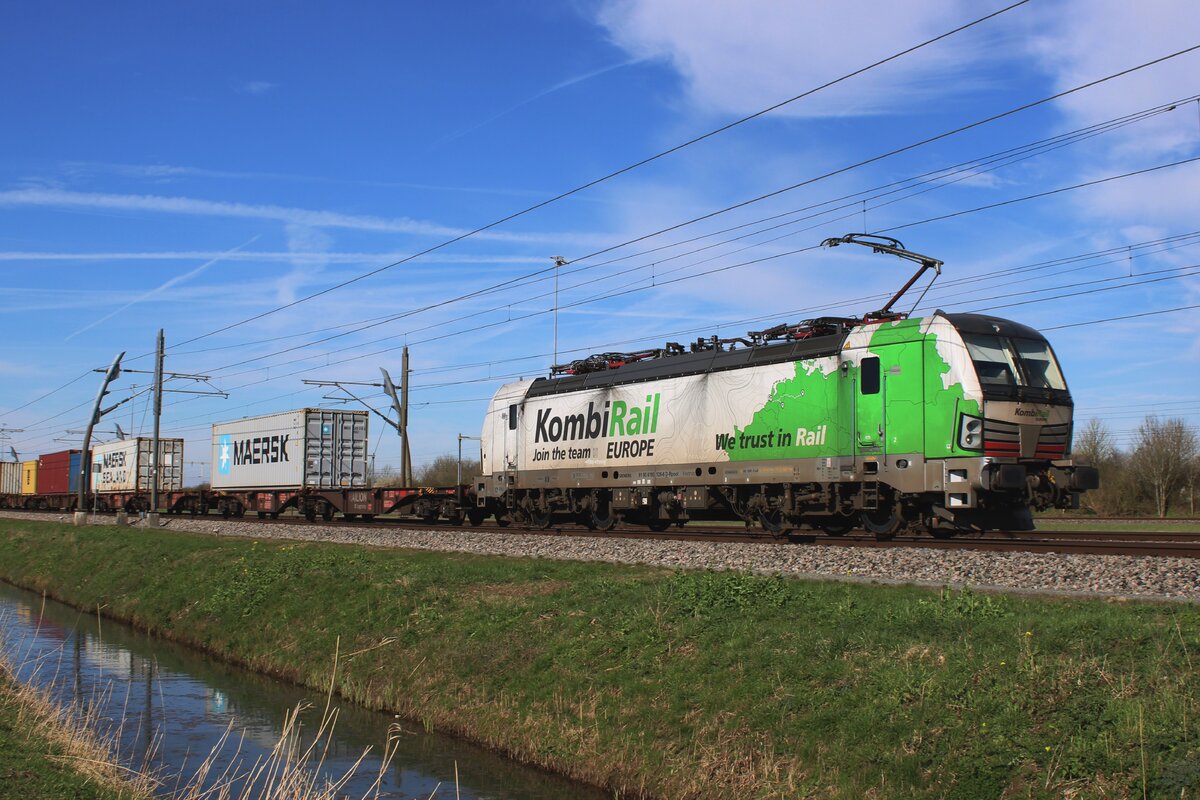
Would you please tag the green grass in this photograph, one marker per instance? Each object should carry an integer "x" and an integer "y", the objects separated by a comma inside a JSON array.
[
  {"x": 1083, "y": 523},
  {"x": 706, "y": 685},
  {"x": 34, "y": 768}
]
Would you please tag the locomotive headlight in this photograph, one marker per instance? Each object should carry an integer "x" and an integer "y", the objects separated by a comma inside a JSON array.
[{"x": 970, "y": 433}]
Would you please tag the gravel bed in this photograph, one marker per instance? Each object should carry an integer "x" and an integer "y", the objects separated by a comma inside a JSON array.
[{"x": 1040, "y": 573}]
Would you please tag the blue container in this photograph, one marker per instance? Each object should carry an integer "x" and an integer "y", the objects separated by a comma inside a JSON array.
[{"x": 74, "y": 480}]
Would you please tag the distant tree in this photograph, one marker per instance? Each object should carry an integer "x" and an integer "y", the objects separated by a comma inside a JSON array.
[
  {"x": 1095, "y": 446},
  {"x": 1164, "y": 460},
  {"x": 443, "y": 471},
  {"x": 385, "y": 476}
]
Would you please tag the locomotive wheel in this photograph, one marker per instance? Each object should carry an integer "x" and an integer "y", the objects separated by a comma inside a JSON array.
[
  {"x": 603, "y": 520},
  {"x": 884, "y": 523},
  {"x": 539, "y": 519},
  {"x": 836, "y": 526},
  {"x": 602, "y": 517}
]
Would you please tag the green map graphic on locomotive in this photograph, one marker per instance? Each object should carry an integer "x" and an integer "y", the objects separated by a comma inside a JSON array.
[{"x": 617, "y": 419}]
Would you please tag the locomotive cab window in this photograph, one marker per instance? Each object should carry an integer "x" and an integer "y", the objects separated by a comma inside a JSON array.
[
  {"x": 1037, "y": 362},
  {"x": 512, "y": 417},
  {"x": 869, "y": 372},
  {"x": 1014, "y": 362}
]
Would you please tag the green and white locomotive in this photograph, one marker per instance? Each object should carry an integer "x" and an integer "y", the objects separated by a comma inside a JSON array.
[{"x": 940, "y": 423}]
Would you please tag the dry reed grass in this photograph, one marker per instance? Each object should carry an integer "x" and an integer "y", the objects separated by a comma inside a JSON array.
[{"x": 294, "y": 769}]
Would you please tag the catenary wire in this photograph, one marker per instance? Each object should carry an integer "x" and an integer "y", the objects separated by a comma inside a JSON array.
[{"x": 614, "y": 174}]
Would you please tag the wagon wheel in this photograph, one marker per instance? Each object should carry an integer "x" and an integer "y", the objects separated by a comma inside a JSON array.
[
  {"x": 539, "y": 519},
  {"x": 327, "y": 513},
  {"x": 658, "y": 524},
  {"x": 476, "y": 516},
  {"x": 502, "y": 520}
]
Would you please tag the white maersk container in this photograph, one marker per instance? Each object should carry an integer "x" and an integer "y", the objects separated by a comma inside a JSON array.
[
  {"x": 10, "y": 477},
  {"x": 125, "y": 465},
  {"x": 312, "y": 448}
]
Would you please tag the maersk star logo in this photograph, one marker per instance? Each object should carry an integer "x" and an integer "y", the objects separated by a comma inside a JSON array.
[{"x": 224, "y": 453}]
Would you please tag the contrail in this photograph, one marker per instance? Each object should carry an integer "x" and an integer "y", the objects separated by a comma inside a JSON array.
[{"x": 173, "y": 282}]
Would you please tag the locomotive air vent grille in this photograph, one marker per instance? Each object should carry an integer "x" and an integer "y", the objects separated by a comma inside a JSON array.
[
  {"x": 1002, "y": 439},
  {"x": 1053, "y": 441}
]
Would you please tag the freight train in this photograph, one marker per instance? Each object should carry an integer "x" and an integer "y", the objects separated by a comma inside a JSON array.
[
  {"x": 311, "y": 461},
  {"x": 942, "y": 423}
]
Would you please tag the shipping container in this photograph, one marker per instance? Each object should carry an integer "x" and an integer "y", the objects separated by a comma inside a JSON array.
[
  {"x": 10, "y": 477},
  {"x": 310, "y": 448},
  {"x": 28, "y": 477},
  {"x": 58, "y": 473},
  {"x": 125, "y": 466}
]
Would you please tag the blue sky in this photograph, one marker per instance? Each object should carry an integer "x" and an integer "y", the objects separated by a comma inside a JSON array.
[{"x": 191, "y": 166}]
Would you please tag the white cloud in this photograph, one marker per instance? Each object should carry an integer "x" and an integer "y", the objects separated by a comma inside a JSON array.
[
  {"x": 1081, "y": 40},
  {"x": 265, "y": 256},
  {"x": 256, "y": 87},
  {"x": 56, "y": 198},
  {"x": 167, "y": 172},
  {"x": 741, "y": 57}
]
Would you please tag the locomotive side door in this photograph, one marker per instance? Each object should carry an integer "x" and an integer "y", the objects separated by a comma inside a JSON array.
[
  {"x": 511, "y": 436},
  {"x": 870, "y": 432}
]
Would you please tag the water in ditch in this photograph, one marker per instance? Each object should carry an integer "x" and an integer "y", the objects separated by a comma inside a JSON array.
[{"x": 170, "y": 705}]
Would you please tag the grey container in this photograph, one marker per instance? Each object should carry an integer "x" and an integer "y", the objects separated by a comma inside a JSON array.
[
  {"x": 10, "y": 477},
  {"x": 311, "y": 448},
  {"x": 126, "y": 465}
]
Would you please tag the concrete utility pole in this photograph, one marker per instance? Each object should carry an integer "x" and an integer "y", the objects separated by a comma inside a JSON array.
[
  {"x": 154, "y": 454},
  {"x": 406, "y": 454},
  {"x": 156, "y": 444},
  {"x": 399, "y": 404}
]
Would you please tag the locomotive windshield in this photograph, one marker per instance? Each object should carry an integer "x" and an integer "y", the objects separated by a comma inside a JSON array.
[{"x": 1005, "y": 361}]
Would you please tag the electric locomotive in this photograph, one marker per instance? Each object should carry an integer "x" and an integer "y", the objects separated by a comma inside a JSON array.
[{"x": 941, "y": 423}]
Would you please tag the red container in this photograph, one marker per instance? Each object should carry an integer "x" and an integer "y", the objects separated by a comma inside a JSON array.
[{"x": 54, "y": 472}]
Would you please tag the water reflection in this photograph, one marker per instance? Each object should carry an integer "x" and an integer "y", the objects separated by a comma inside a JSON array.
[{"x": 170, "y": 706}]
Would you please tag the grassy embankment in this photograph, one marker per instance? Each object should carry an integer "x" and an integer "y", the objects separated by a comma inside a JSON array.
[{"x": 679, "y": 684}]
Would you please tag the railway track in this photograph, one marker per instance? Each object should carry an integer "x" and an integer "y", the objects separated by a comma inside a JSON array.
[
  {"x": 1181, "y": 544},
  {"x": 1094, "y": 542}
]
